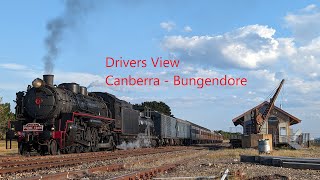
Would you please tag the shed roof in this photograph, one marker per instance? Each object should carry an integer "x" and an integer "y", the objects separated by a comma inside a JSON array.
[{"x": 239, "y": 119}]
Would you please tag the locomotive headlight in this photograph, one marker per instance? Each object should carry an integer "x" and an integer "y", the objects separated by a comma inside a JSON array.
[
  {"x": 37, "y": 83},
  {"x": 52, "y": 129}
]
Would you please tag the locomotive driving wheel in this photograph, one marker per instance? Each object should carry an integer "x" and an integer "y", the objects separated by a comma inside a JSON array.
[
  {"x": 87, "y": 137},
  {"x": 23, "y": 149},
  {"x": 78, "y": 149},
  {"x": 70, "y": 149},
  {"x": 113, "y": 144},
  {"x": 94, "y": 139},
  {"x": 53, "y": 147},
  {"x": 85, "y": 149}
]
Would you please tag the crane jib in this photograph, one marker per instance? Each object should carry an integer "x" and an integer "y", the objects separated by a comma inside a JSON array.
[{"x": 260, "y": 118}]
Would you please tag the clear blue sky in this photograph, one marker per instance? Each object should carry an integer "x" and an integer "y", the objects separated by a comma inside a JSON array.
[{"x": 263, "y": 41}]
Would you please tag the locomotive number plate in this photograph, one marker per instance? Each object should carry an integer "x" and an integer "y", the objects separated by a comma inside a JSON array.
[{"x": 33, "y": 127}]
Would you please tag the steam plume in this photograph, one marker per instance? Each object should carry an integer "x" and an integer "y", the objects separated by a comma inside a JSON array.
[
  {"x": 74, "y": 11},
  {"x": 96, "y": 84},
  {"x": 141, "y": 141}
]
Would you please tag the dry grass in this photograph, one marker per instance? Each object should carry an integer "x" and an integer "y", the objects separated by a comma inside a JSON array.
[
  {"x": 4, "y": 151},
  {"x": 232, "y": 153},
  {"x": 313, "y": 152}
]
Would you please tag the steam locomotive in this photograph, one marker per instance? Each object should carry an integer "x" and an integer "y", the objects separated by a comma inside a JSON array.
[{"x": 66, "y": 118}]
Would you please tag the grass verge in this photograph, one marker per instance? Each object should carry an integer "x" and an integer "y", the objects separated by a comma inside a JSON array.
[{"x": 4, "y": 151}]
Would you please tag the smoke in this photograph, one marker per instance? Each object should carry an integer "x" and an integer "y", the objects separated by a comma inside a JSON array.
[
  {"x": 74, "y": 11},
  {"x": 96, "y": 84},
  {"x": 140, "y": 142}
]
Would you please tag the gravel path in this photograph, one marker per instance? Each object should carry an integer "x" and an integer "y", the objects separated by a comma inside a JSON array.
[{"x": 211, "y": 165}]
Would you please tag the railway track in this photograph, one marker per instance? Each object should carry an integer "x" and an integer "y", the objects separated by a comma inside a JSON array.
[
  {"x": 32, "y": 158},
  {"x": 38, "y": 163},
  {"x": 144, "y": 173},
  {"x": 151, "y": 172}
]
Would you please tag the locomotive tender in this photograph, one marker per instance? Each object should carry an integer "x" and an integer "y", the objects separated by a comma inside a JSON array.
[{"x": 66, "y": 118}]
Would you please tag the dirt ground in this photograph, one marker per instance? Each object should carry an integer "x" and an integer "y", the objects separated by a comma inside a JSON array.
[
  {"x": 216, "y": 162},
  {"x": 5, "y": 152}
]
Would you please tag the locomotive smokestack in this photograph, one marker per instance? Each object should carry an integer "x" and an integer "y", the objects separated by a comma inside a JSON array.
[{"x": 48, "y": 79}]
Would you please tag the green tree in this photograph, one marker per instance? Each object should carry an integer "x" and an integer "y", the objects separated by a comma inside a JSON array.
[
  {"x": 5, "y": 116},
  {"x": 157, "y": 106},
  {"x": 229, "y": 135}
]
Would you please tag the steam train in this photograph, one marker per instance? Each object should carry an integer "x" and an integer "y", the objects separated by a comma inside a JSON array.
[{"x": 66, "y": 118}]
